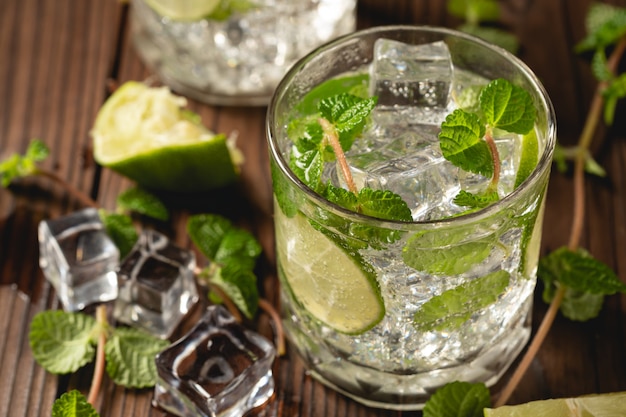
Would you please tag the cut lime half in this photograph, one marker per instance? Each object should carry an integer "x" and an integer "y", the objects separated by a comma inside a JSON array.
[
  {"x": 599, "y": 405},
  {"x": 145, "y": 134},
  {"x": 183, "y": 9},
  {"x": 333, "y": 286}
]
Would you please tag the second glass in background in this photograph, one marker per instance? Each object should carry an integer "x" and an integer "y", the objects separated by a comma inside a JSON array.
[{"x": 239, "y": 56}]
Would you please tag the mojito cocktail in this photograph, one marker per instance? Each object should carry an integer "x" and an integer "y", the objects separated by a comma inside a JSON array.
[{"x": 409, "y": 168}]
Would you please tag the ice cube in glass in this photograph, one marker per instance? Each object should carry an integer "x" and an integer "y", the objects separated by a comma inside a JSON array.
[
  {"x": 416, "y": 78},
  {"x": 218, "y": 369},
  {"x": 156, "y": 285},
  {"x": 79, "y": 259}
]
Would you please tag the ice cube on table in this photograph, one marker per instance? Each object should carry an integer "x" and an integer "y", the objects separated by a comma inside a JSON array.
[
  {"x": 156, "y": 285},
  {"x": 415, "y": 78},
  {"x": 79, "y": 259},
  {"x": 218, "y": 369}
]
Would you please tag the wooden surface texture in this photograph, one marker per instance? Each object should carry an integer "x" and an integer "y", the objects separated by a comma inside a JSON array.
[{"x": 60, "y": 58}]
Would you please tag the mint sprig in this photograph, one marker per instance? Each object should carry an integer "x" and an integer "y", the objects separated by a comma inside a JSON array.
[
  {"x": 17, "y": 165},
  {"x": 232, "y": 253},
  {"x": 140, "y": 201},
  {"x": 466, "y": 138},
  {"x": 458, "y": 399},
  {"x": 63, "y": 342}
]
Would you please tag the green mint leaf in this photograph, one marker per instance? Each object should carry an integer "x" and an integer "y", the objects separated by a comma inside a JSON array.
[
  {"x": 579, "y": 271},
  {"x": 16, "y": 165},
  {"x": 605, "y": 25},
  {"x": 593, "y": 167},
  {"x": 600, "y": 67},
  {"x": 73, "y": 404},
  {"x": 382, "y": 204},
  {"x": 508, "y": 107},
  {"x": 62, "y": 342},
  {"x": 130, "y": 357},
  {"x": 615, "y": 91},
  {"x": 468, "y": 98},
  {"x": 308, "y": 166},
  {"x": 529, "y": 157},
  {"x": 143, "y": 202},
  {"x": 444, "y": 252},
  {"x": 474, "y": 11},
  {"x": 348, "y": 114},
  {"x": 461, "y": 142},
  {"x": 476, "y": 201},
  {"x": 354, "y": 84},
  {"x": 221, "y": 242},
  {"x": 240, "y": 285},
  {"x": 493, "y": 35},
  {"x": 452, "y": 308},
  {"x": 121, "y": 230},
  {"x": 576, "y": 306},
  {"x": 458, "y": 399}
]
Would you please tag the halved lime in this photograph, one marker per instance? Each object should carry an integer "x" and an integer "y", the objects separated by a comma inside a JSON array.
[
  {"x": 145, "y": 134},
  {"x": 333, "y": 286},
  {"x": 183, "y": 9},
  {"x": 599, "y": 405}
]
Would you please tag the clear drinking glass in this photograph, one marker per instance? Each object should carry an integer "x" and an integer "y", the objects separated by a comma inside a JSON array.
[
  {"x": 239, "y": 57},
  {"x": 384, "y": 311}
]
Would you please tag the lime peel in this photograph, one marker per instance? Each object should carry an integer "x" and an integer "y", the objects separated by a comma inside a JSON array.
[{"x": 597, "y": 405}]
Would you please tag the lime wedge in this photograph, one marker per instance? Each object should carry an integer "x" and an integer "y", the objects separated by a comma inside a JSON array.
[
  {"x": 183, "y": 9},
  {"x": 145, "y": 134},
  {"x": 599, "y": 405},
  {"x": 333, "y": 286}
]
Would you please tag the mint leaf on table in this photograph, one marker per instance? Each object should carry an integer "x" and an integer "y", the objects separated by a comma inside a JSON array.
[
  {"x": 62, "y": 342},
  {"x": 130, "y": 357},
  {"x": 452, "y": 308},
  {"x": 233, "y": 253},
  {"x": 73, "y": 404},
  {"x": 458, "y": 399},
  {"x": 474, "y": 11},
  {"x": 17, "y": 165},
  {"x": 143, "y": 202},
  {"x": 615, "y": 91},
  {"x": 121, "y": 230}
]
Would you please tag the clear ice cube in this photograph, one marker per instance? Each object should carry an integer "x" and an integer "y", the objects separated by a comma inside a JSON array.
[
  {"x": 219, "y": 369},
  {"x": 417, "y": 78},
  {"x": 156, "y": 285},
  {"x": 79, "y": 259}
]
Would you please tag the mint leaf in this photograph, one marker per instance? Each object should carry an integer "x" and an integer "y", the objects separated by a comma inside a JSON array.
[
  {"x": 121, "y": 230},
  {"x": 467, "y": 199},
  {"x": 354, "y": 84},
  {"x": 579, "y": 271},
  {"x": 441, "y": 252},
  {"x": 348, "y": 114},
  {"x": 578, "y": 306},
  {"x": 73, "y": 404},
  {"x": 142, "y": 202},
  {"x": 452, "y": 308},
  {"x": 62, "y": 342},
  {"x": 130, "y": 357},
  {"x": 615, "y": 91},
  {"x": 508, "y": 107},
  {"x": 493, "y": 35},
  {"x": 600, "y": 67},
  {"x": 220, "y": 241},
  {"x": 17, "y": 166},
  {"x": 240, "y": 285},
  {"x": 458, "y": 399},
  {"x": 461, "y": 142},
  {"x": 474, "y": 11},
  {"x": 606, "y": 24}
]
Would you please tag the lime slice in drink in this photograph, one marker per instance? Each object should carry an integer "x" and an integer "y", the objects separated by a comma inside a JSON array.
[
  {"x": 183, "y": 9},
  {"x": 145, "y": 134},
  {"x": 601, "y": 405},
  {"x": 333, "y": 286}
]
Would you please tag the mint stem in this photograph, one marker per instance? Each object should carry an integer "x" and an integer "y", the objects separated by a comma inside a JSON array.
[
  {"x": 495, "y": 179},
  {"x": 584, "y": 143},
  {"x": 98, "y": 374},
  {"x": 330, "y": 134}
]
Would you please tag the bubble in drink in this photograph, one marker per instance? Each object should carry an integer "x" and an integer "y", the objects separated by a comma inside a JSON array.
[
  {"x": 79, "y": 259},
  {"x": 156, "y": 285},
  {"x": 219, "y": 369}
]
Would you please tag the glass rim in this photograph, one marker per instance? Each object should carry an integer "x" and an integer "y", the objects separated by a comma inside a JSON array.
[{"x": 543, "y": 163}]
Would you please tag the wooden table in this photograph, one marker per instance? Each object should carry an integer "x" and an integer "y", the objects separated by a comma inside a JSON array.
[{"x": 58, "y": 59}]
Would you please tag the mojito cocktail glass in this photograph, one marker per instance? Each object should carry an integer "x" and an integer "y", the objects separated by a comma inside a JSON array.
[
  {"x": 383, "y": 310},
  {"x": 233, "y": 52}
]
